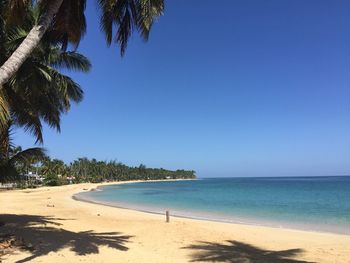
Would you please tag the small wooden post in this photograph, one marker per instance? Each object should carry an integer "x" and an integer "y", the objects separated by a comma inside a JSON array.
[{"x": 167, "y": 216}]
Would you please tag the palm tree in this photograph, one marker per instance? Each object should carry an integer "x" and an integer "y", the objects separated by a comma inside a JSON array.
[
  {"x": 118, "y": 19},
  {"x": 53, "y": 167},
  {"x": 38, "y": 91},
  {"x": 12, "y": 157},
  {"x": 92, "y": 170}
]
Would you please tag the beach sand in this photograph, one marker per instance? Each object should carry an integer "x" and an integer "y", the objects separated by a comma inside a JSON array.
[{"x": 56, "y": 228}]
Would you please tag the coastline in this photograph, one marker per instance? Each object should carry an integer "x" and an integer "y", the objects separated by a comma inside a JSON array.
[
  {"x": 149, "y": 237},
  {"x": 202, "y": 217}
]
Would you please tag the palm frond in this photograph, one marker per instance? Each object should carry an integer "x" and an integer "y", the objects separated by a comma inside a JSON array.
[
  {"x": 39, "y": 92},
  {"x": 127, "y": 15},
  {"x": 68, "y": 89},
  {"x": 11, "y": 157},
  {"x": 23, "y": 115},
  {"x": 31, "y": 123},
  {"x": 69, "y": 24},
  {"x": 16, "y": 11},
  {"x": 4, "y": 111},
  {"x": 148, "y": 11},
  {"x": 106, "y": 20},
  {"x": 124, "y": 31},
  {"x": 28, "y": 155},
  {"x": 71, "y": 60},
  {"x": 3, "y": 36},
  {"x": 15, "y": 37}
]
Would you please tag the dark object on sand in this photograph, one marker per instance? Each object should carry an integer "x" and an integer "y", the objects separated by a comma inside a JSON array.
[{"x": 167, "y": 215}]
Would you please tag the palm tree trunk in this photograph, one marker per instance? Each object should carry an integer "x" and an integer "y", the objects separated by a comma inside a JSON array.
[{"x": 15, "y": 61}]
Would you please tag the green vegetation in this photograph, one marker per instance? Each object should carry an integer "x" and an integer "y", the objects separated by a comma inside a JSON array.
[
  {"x": 39, "y": 92},
  {"x": 13, "y": 160},
  {"x": 56, "y": 172},
  {"x": 38, "y": 39},
  {"x": 64, "y": 21}
]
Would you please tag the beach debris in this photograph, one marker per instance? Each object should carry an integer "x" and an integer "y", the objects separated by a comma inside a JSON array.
[
  {"x": 50, "y": 205},
  {"x": 167, "y": 215},
  {"x": 10, "y": 241},
  {"x": 98, "y": 214}
]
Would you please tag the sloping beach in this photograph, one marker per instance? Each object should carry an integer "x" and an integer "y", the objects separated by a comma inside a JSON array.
[{"x": 53, "y": 227}]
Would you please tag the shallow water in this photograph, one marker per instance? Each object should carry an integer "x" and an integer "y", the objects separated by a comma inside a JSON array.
[{"x": 308, "y": 203}]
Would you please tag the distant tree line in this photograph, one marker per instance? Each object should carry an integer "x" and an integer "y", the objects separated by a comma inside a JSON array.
[
  {"x": 32, "y": 166},
  {"x": 56, "y": 172}
]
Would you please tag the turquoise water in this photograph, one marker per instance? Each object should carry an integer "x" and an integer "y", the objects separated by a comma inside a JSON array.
[{"x": 309, "y": 203}]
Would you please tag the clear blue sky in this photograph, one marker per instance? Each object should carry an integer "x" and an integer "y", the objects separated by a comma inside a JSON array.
[{"x": 231, "y": 88}]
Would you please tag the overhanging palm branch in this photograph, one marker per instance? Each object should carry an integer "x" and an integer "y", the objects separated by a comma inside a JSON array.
[
  {"x": 39, "y": 92},
  {"x": 8, "y": 167},
  {"x": 28, "y": 155},
  {"x": 15, "y": 11},
  {"x": 12, "y": 157},
  {"x": 69, "y": 24},
  {"x": 4, "y": 110},
  {"x": 70, "y": 60},
  {"x": 66, "y": 19},
  {"x": 120, "y": 18}
]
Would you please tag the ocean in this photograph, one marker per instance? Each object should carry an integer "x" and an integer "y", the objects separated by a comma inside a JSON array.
[{"x": 306, "y": 203}]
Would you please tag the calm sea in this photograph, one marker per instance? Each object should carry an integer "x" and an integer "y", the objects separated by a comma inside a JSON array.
[{"x": 308, "y": 203}]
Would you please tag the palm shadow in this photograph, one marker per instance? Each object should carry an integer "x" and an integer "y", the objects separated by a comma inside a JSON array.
[
  {"x": 44, "y": 235},
  {"x": 238, "y": 252}
]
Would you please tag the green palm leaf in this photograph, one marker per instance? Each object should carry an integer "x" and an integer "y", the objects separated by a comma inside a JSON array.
[
  {"x": 4, "y": 111},
  {"x": 11, "y": 157},
  {"x": 120, "y": 18},
  {"x": 71, "y": 61},
  {"x": 39, "y": 92},
  {"x": 28, "y": 155}
]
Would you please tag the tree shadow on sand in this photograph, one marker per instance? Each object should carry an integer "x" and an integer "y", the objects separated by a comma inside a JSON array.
[
  {"x": 238, "y": 252},
  {"x": 42, "y": 235}
]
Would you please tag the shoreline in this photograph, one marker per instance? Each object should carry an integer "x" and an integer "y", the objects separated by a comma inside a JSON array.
[
  {"x": 61, "y": 228},
  {"x": 267, "y": 224}
]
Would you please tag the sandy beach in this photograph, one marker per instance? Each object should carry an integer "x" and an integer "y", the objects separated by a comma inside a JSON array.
[{"x": 54, "y": 228}]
